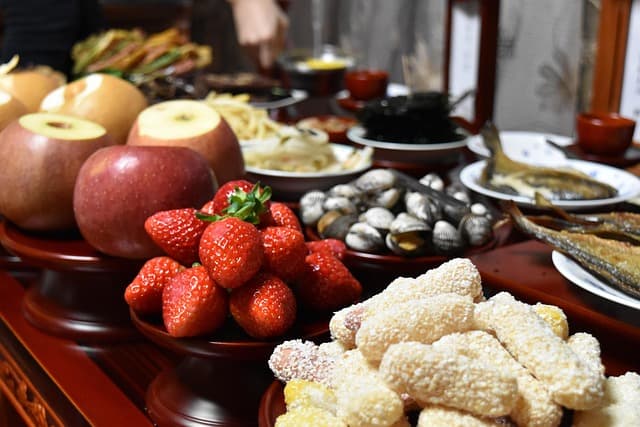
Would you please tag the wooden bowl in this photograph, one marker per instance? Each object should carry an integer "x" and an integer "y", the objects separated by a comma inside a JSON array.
[
  {"x": 366, "y": 84},
  {"x": 608, "y": 134}
]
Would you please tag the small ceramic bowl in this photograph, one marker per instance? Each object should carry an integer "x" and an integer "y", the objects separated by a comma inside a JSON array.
[
  {"x": 366, "y": 84},
  {"x": 607, "y": 134}
]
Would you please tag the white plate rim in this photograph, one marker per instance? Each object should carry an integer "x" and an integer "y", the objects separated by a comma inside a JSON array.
[
  {"x": 297, "y": 95},
  {"x": 582, "y": 278},
  {"x": 337, "y": 149},
  {"x": 476, "y": 144},
  {"x": 356, "y": 134},
  {"x": 468, "y": 173}
]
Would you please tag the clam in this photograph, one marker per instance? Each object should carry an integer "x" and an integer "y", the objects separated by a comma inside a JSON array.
[
  {"x": 375, "y": 180},
  {"x": 446, "y": 238},
  {"x": 408, "y": 236},
  {"x": 311, "y": 213},
  {"x": 479, "y": 209},
  {"x": 363, "y": 237},
  {"x": 422, "y": 207},
  {"x": 385, "y": 199},
  {"x": 433, "y": 180},
  {"x": 335, "y": 225},
  {"x": 341, "y": 204},
  {"x": 475, "y": 229},
  {"x": 378, "y": 217},
  {"x": 311, "y": 206},
  {"x": 350, "y": 191}
]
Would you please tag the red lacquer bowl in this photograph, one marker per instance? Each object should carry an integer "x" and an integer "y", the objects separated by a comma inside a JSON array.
[{"x": 607, "y": 134}]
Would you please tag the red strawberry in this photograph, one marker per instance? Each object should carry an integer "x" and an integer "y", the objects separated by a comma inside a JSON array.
[
  {"x": 144, "y": 293},
  {"x": 221, "y": 198},
  {"x": 265, "y": 307},
  {"x": 282, "y": 215},
  {"x": 231, "y": 250},
  {"x": 177, "y": 232},
  {"x": 192, "y": 304},
  {"x": 326, "y": 283},
  {"x": 284, "y": 252},
  {"x": 335, "y": 247}
]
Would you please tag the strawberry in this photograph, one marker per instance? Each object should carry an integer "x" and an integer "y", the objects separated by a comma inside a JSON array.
[
  {"x": 326, "y": 283},
  {"x": 335, "y": 247},
  {"x": 265, "y": 307},
  {"x": 221, "y": 199},
  {"x": 192, "y": 304},
  {"x": 177, "y": 232},
  {"x": 231, "y": 250},
  {"x": 282, "y": 215},
  {"x": 144, "y": 293},
  {"x": 284, "y": 252}
]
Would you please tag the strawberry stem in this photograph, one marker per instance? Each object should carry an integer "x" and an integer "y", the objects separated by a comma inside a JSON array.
[{"x": 245, "y": 206}]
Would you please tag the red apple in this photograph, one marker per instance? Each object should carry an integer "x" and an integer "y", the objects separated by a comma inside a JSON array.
[
  {"x": 192, "y": 124},
  {"x": 120, "y": 186},
  {"x": 41, "y": 155},
  {"x": 108, "y": 100}
]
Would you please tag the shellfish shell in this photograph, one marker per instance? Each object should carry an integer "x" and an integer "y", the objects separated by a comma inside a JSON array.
[{"x": 363, "y": 237}]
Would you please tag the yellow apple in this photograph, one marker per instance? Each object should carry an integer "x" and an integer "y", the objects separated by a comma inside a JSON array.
[
  {"x": 108, "y": 100},
  {"x": 10, "y": 109},
  {"x": 31, "y": 86},
  {"x": 42, "y": 154},
  {"x": 195, "y": 125}
]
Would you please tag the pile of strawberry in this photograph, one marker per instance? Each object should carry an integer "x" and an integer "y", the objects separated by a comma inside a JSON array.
[{"x": 240, "y": 254}]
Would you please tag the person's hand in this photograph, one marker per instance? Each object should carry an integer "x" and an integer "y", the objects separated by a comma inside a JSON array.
[{"x": 261, "y": 27}]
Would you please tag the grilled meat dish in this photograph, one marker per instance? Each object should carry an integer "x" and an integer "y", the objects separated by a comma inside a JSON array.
[
  {"x": 617, "y": 262},
  {"x": 511, "y": 177}
]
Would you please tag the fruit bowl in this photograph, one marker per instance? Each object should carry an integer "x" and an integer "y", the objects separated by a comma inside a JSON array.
[
  {"x": 78, "y": 291},
  {"x": 221, "y": 379}
]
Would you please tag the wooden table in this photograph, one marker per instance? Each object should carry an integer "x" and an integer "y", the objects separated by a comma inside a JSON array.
[{"x": 50, "y": 381}]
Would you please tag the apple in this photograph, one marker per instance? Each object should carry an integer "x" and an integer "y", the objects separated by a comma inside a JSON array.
[
  {"x": 120, "y": 186},
  {"x": 10, "y": 109},
  {"x": 192, "y": 124},
  {"x": 108, "y": 100},
  {"x": 31, "y": 86},
  {"x": 42, "y": 154}
]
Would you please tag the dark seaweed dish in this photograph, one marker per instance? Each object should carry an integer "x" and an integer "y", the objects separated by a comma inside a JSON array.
[{"x": 419, "y": 118}]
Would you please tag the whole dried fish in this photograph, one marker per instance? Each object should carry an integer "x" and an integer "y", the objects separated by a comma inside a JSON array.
[
  {"x": 511, "y": 177},
  {"x": 616, "y": 261}
]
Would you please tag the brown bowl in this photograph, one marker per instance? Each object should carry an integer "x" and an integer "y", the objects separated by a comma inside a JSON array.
[
  {"x": 335, "y": 126},
  {"x": 608, "y": 134},
  {"x": 366, "y": 84}
]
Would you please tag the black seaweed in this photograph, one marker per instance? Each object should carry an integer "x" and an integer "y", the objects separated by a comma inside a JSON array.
[{"x": 419, "y": 118}]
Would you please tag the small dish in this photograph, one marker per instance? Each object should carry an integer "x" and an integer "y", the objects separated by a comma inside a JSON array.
[
  {"x": 347, "y": 102},
  {"x": 335, "y": 126},
  {"x": 628, "y": 185},
  {"x": 405, "y": 153},
  {"x": 576, "y": 274},
  {"x": 292, "y": 185},
  {"x": 608, "y": 134}
]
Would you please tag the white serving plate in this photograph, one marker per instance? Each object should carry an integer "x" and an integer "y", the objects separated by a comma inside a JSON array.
[
  {"x": 406, "y": 153},
  {"x": 627, "y": 184},
  {"x": 527, "y": 147},
  {"x": 576, "y": 274},
  {"x": 292, "y": 185}
]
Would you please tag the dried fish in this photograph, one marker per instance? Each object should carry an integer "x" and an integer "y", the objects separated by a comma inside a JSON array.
[
  {"x": 615, "y": 261},
  {"x": 511, "y": 177}
]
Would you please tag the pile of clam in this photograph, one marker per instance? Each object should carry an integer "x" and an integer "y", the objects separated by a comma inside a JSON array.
[{"x": 378, "y": 212}]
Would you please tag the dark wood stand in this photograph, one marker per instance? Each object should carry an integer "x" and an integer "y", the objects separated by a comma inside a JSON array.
[{"x": 78, "y": 293}]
